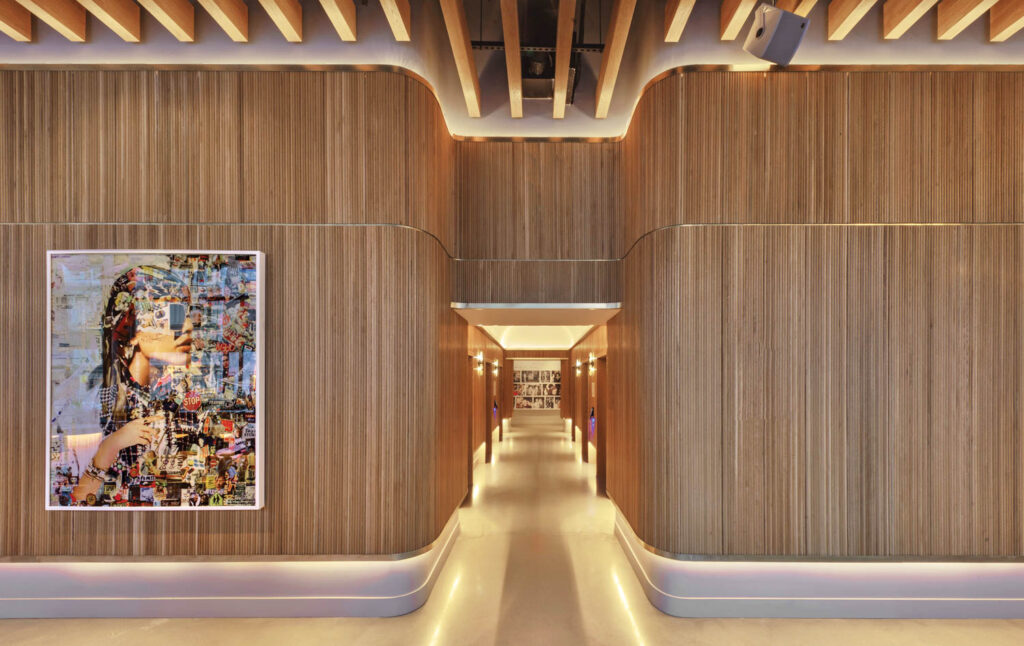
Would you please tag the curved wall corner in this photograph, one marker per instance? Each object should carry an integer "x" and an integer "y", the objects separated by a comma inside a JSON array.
[
  {"x": 821, "y": 391},
  {"x": 823, "y": 148},
  {"x": 816, "y": 589},
  {"x": 250, "y": 588},
  {"x": 363, "y": 458}
]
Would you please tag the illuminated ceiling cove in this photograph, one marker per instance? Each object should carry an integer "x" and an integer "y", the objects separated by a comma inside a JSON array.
[
  {"x": 537, "y": 337},
  {"x": 472, "y": 84}
]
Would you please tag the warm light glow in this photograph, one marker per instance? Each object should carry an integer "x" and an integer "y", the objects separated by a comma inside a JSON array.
[
  {"x": 629, "y": 611},
  {"x": 751, "y": 67}
]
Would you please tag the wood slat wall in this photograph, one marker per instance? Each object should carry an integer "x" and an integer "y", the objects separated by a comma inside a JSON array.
[
  {"x": 821, "y": 391},
  {"x": 596, "y": 342},
  {"x": 525, "y": 281},
  {"x": 538, "y": 200},
  {"x": 825, "y": 147},
  {"x": 478, "y": 341},
  {"x": 365, "y": 452},
  {"x": 225, "y": 147},
  {"x": 364, "y": 449}
]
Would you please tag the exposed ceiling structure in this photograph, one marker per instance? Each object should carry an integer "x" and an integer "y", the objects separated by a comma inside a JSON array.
[
  {"x": 506, "y": 68},
  {"x": 537, "y": 337}
]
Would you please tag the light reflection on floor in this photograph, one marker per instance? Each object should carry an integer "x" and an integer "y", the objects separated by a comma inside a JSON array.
[{"x": 536, "y": 564}]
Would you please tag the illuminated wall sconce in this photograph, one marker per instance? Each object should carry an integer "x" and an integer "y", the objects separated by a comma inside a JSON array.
[
  {"x": 479, "y": 362},
  {"x": 579, "y": 367},
  {"x": 592, "y": 363},
  {"x": 497, "y": 367}
]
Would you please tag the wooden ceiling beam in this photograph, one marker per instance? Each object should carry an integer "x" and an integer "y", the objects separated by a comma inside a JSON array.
[
  {"x": 677, "y": 13},
  {"x": 342, "y": 14},
  {"x": 956, "y": 15},
  {"x": 843, "y": 16},
  {"x": 399, "y": 17},
  {"x": 799, "y": 7},
  {"x": 458, "y": 34},
  {"x": 65, "y": 16},
  {"x": 513, "y": 58},
  {"x": 177, "y": 17},
  {"x": 734, "y": 15},
  {"x": 900, "y": 15},
  {"x": 231, "y": 15},
  {"x": 1006, "y": 18},
  {"x": 121, "y": 16},
  {"x": 563, "y": 54},
  {"x": 611, "y": 59},
  {"x": 287, "y": 16},
  {"x": 15, "y": 21}
]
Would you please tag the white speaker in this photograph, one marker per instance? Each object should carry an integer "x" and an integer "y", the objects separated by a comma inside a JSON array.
[{"x": 775, "y": 34}]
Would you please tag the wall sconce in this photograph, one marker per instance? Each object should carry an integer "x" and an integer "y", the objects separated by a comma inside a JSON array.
[
  {"x": 592, "y": 364},
  {"x": 479, "y": 362},
  {"x": 497, "y": 366},
  {"x": 579, "y": 367}
]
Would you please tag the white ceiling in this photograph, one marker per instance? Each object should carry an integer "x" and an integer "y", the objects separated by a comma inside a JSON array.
[{"x": 537, "y": 337}]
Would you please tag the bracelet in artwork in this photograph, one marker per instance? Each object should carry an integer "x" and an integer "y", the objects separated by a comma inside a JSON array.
[{"x": 94, "y": 472}]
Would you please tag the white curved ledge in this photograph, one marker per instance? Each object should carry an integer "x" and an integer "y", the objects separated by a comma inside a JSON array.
[
  {"x": 298, "y": 588},
  {"x": 872, "y": 589}
]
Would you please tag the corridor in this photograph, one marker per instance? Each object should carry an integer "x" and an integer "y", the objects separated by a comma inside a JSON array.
[{"x": 536, "y": 563}]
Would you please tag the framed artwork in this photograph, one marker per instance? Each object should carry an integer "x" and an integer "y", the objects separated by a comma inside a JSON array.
[
  {"x": 537, "y": 385},
  {"x": 154, "y": 380}
]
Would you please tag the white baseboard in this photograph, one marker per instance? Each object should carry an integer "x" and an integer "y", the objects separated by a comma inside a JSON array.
[
  {"x": 209, "y": 588},
  {"x": 850, "y": 589}
]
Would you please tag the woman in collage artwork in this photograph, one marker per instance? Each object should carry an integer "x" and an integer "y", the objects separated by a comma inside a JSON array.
[
  {"x": 537, "y": 389},
  {"x": 153, "y": 380}
]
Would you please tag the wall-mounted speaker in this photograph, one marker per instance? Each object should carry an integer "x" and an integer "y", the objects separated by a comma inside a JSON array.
[{"x": 775, "y": 34}]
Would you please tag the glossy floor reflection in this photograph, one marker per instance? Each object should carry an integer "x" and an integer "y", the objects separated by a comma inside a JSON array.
[{"x": 536, "y": 564}]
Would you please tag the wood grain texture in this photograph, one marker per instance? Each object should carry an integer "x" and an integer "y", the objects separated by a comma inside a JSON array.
[
  {"x": 1006, "y": 18},
  {"x": 821, "y": 391},
  {"x": 611, "y": 57},
  {"x": 233, "y": 147},
  {"x": 176, "y": 16},
  {"x": 15, "y": 21},
  {"x": 517, "y": 281},
  {"x": 595, "y": 342},
  {"x": 66, "y": 17},
  {"x": 478, "y": 342},
  {"x": 824, "y": 147},
  {"x": 365, "y": 450},
  {"x": 538, "y": 200},
  {"x": 121, "y": 16}
]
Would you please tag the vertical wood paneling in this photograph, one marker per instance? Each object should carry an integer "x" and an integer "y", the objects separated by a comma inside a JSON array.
[
  {"x": 202, "y": 146},
  {"x": 367, "y": 459},
  {"x": 537, "y": 281},
  {"x": 863, "y": 409},
  {"x": 282, "y": 117},
  {"x": 531, "y": 200},
  {"x": 363, "y": 454}
]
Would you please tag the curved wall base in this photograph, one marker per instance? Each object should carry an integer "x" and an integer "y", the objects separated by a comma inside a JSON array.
[
  {"x": 862, "y": 589},
  {"x": 286, "y": 588}
]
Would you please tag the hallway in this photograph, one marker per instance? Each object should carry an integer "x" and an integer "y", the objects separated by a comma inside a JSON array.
[{"x": 536, "y": 563}]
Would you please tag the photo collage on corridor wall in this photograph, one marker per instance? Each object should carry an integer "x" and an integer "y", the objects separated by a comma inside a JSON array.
[
  {"x": 537, "y": 384},
  {"x": 154, "y": 380}
]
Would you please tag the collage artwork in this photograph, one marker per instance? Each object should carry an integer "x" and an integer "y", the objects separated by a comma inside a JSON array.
[
  {"x": 537, "y": 388},
  {"x": 153, "y": 380}
]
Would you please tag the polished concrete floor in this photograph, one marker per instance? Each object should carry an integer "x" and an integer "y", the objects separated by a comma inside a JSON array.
[{"x": 536, "y": 564}]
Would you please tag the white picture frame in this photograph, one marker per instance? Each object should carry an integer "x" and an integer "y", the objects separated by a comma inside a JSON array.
[{"x": 260, "y": 378}]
